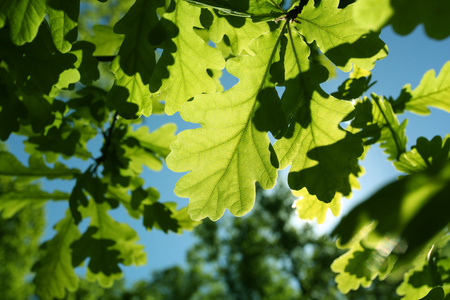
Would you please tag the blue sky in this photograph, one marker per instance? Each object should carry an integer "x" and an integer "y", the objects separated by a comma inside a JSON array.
[{"x": 409, "y": 58}]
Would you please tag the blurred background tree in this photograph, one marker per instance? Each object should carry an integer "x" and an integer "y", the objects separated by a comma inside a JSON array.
[{"x": 19, "y": 243}]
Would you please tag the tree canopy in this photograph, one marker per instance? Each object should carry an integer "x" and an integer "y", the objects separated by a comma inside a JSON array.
[{"x": 76, "y": 72}]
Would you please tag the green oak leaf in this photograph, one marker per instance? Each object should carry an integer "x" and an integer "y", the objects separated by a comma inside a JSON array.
[
  {"x": 86, "y": 63},
  {"x": 102, "y": 259},
  {"x": 12, "y": 109},
  {"x": 63, "y": 19},
  {"x": 358, "y": 83},
  {"x": 425, "y": 154},
  {"x": 25, "y": 63},
  {"x": 54, "y": 271},
  {"x": 404, "y": 16},
  {"x": 40, "y": 111},
  {"x": 319, "y": 150},
  {"x": 390, "y": 224},
  {"x": 431, "y": 91},
  {"x": 182, "y": 216},
  {"x": 376, "y": 121},
  {"x": 257, "y": 10},
  {"x": 135, "y": 62},
  {"x": 360, "y": 266},
  {"x": 108, "y": 243},
  {"x": 137, "y": 203},
  {"x": 158, "y": 215},
  {"x": 91, "y": 105},
  {"x": 25, "y": 17},
  {"x": 182, "y": 70},
  {"x": 428, "y": 272},
  {"x": 66, "y": 140},
  {"x": 14, "y": 200},
  {"x": 229, "y": 31},
  {"x": 228, "y": 153},
  {"x": 337, "y": 35},
  {"x": 106, "y": 41},
  {"x": 308, "y": 207},
  {"x": 417, "y": 282},
  {"x": 10, "y": 166}
]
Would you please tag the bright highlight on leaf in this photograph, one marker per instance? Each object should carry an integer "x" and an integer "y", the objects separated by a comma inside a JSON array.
[
  {"x": 182, "y": 70},
  {"x": 228, "y": 154}
]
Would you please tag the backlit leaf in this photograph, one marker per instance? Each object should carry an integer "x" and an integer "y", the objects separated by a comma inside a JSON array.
[
  {"x": 25, "y": 17},
  {"x": 54, "y": 271},
  {"x": 431, "y": 91},
  {"x": 342, "y": 40},
  {"x": 390, "y": 224},
  {"x": 317, "y": 147},
  {"x": 182, "y": 70},
  {"x": 228, "y": 154},
  {"x": 376, "y": 122},
  {"x": 63, "y": 19},
  {"x": 109, "y": 240},
  {"x": 425, "y": 154}
]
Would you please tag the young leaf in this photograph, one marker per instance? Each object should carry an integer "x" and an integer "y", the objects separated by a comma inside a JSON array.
[
  {"x": 182, "y": 70},
  {"x": 431, "y": 91},
  {"x": 378, "y": 123},
  {"x": 54, "y": 271},
  {"x": 228, "y": 154},
  {"x": 425, "y": 154},
  {"x": 342, "y": 40},
  {"x": 63, "y": 19}
]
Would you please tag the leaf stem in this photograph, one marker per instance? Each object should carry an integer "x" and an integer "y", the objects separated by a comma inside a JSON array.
[{"x": 107, "y": 136}]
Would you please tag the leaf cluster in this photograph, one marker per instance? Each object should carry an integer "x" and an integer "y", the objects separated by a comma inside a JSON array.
[{"x": 69, "y": 82}]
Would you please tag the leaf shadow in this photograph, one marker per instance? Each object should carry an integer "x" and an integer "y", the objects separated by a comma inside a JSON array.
[
  {"x": 161, "y": 37},
  {"x": 366, "y": 46},
  {"x": 333, "y": 160}
]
